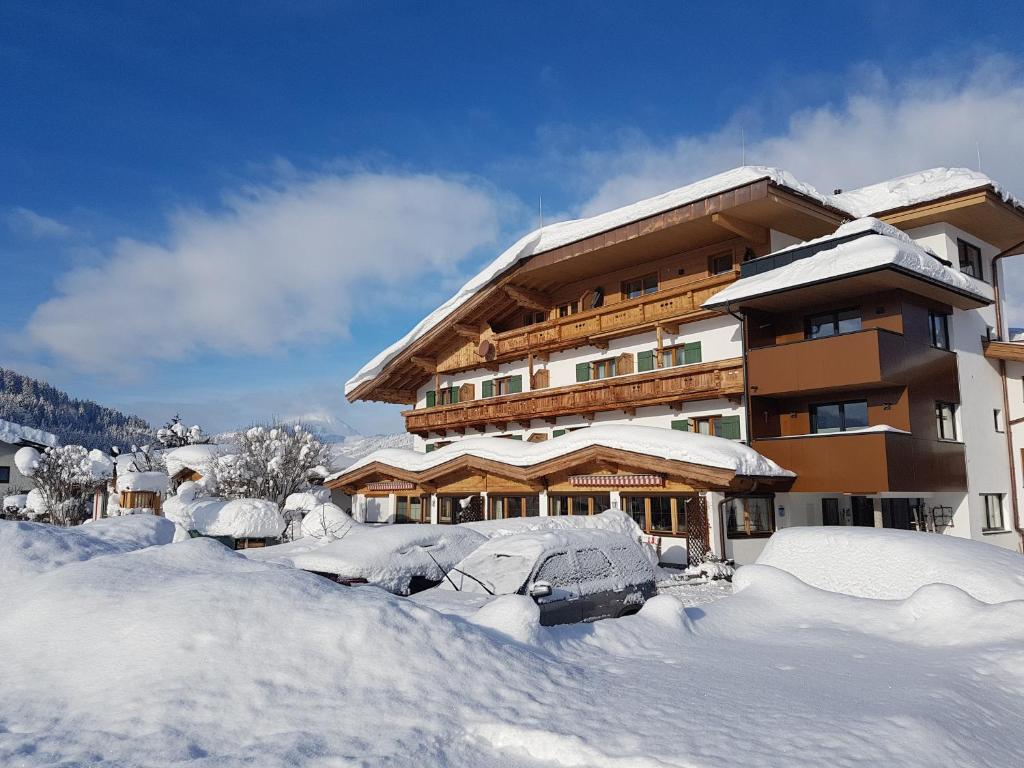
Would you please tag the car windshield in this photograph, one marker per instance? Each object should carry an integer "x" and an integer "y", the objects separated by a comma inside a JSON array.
[{"x": 496, "y": 573}]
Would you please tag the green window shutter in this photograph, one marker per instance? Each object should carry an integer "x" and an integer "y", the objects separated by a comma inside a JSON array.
[
  {"x": 515, "y": 384},
  {"x": 645, "y": 361},
  {"x": 454, "y": 396},
  {"x": 557, "y": 432},
  {"x": 430, "y": 447},
  {"x": 582, "y": 371},
  {"x": 431, "y": 398},
  {"x": 487, "y": 388},
  {"x": 691, "y": 352},
  {"x": 728, "y": 427},
  {"x": 683, "y": 425}
]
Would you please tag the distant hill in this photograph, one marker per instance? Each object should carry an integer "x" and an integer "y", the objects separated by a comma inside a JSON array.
[{"x": 34, "y": 403}]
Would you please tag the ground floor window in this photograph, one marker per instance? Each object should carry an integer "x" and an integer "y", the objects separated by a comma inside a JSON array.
[
  {"x": 447, "y": 509},
  {"x": 993, "y": 511},
  {"x": 659, "y": 514},
  {"x": 502, "y": 507},
  {"x": 750, "y": 516},
  {"x": 579, "y": 504},
  {"x": 412, "y": 509}
]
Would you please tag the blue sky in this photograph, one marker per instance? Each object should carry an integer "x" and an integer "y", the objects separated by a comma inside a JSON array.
[{"x": 225, "y": 209}]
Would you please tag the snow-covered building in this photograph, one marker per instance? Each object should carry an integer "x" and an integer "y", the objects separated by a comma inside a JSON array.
[
  {"x": 847, "y": 353},
  {"x": 12, "y": 437}
]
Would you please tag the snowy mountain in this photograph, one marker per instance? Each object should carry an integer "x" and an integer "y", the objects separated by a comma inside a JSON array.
[{"x": 355, "y": 447}]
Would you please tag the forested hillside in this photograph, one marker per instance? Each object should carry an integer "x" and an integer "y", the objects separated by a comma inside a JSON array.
[{"x": 34, "y": 403}]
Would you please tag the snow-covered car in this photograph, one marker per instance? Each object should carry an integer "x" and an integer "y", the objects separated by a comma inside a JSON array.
[
  {"x": 572, "y": 575},
  {"x": 402, "y": 559}
]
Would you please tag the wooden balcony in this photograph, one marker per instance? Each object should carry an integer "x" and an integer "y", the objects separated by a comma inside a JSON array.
[
  {"x": 866, "y": 463},
  {"x": 675, "y": 305},
  {"x": 702, "y": 381},
  {"x": 854, "y": 361}
]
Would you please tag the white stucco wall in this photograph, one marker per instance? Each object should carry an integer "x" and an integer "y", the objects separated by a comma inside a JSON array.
[{"x": 18, "y": 480}]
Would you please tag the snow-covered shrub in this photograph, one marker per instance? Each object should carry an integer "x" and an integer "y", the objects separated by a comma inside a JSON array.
[
  {"x": 326, "y": 521},
  {"x": 270, "y": 463},
  {"x": 174, "y": 434},
  {"x": 63, "y": 480}
]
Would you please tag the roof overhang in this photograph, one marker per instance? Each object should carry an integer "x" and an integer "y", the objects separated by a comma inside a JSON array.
[
  {"x": 981, "y": 212},
  {"x": 1010, "y": 351},
  {"x": 886, "y": 277}
]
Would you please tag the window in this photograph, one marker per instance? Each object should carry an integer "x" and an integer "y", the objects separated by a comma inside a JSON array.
[
  {"x": 503, "y": 507},
  {"x": 839, "y": 417},
  {"x": 720, "y": 264},
  {"x": 641, "y": 286},
  {"x": 997, "y": 418},
  {"x": 533, "y": 317},
  {"x": 945, "y": 420},
  {"x": 5, "y": 474},
  {"x": 659, "y": 514},
  {"x": 558, "y": 571},
  {"x": 993, "y": 512},
  {"x": 832, "y": 324},
  {"x": 508, "y": 385},
  {"x": 970, "y": 259},
  {"x": 683, "y": 354},
  {"x": 750, "y": 516},
  {"x": 719, "y": 426},
  {"x": 579, "y": 504},
  {"x": 412, "y": 509},
  {"x": 938, "y": 324},
  {"x": 448, "y": 396},
  {"x": 602, "y": 369},
  {"x": 593, "y": 565},
  {"x": 571, "y": 308}
]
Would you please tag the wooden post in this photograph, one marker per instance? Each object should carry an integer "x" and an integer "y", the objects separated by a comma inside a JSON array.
[{"x": 661, "y": 342}]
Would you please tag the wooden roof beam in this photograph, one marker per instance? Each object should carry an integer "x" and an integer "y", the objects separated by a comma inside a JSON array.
[
  {"x": 529, "y": 298},
  {"x": 755, "y": 233},
  {"x": 471, "y": 332},
  {"x": 426, "y": 363}
]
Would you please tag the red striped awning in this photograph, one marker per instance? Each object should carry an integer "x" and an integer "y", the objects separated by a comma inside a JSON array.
[
  {"x": 391, "y": 485},
  {"x": 626, "y": 481}
]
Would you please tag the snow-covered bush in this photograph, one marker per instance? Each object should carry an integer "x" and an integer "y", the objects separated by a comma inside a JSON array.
[
  {"x": 326, "y": 521},
  {"x": 63, "y": 480},
  {"x": 270, "y": 463},
  {"x": 174, "y": 434}
]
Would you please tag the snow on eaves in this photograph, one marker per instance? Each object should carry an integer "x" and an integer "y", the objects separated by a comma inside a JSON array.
[
  {"x": 562, "y": 233},
  {"x": 657, "y": 442},
  {"x": 879, "y": 246},
  {"x": 915, "y": 188},
  {"x": 15, "y": 434}
]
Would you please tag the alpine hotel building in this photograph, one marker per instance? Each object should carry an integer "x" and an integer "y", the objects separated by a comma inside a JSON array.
[{"x": 729, "y": 358}]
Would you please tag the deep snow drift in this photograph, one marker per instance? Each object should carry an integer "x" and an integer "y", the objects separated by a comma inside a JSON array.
[{"x": 191, "y": 653}]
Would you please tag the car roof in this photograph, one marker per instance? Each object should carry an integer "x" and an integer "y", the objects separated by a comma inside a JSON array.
[{"x": 535, "y": 544}]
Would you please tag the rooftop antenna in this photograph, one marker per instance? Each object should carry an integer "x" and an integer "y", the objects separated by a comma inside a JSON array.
[
  {"x": 540, "y": 200},
  {"x": 743, "y": 147},
  {"x": 977, "y": 147}
]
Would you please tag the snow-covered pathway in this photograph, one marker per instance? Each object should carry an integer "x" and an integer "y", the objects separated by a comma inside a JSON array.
[{"x": 189, "y": 654}]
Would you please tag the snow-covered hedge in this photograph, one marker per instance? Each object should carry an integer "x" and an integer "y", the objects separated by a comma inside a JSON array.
[{"x": 237, "y": 518}]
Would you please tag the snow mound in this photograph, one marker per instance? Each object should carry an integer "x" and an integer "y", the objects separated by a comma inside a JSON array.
[
  {"x": 614, "y": 520},
  {"x": 237, "y": 518},
  {"x": 26, "y": 460},
  {"x": 667, "y": 612},
  {"x": 668, "y": 444},
  {"x": 154, "y": 482},
  {"x": 194, "y": 457},
  {"x": 890, "y": 565},
  {"x": 326, "y": 521},
  {"x": 16, "y": 501},
  {"x": 516, "y": 617},
  {"x": 27, "y": 549},
  {"x": 307, "y": 500}
]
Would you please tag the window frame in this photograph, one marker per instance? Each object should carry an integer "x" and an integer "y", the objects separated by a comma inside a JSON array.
[
  {"x": 834, "y": 315},
  {"x": 502, "y": 386},
  {"x": 998, "y": 422},
  {"x": 812, "y": 412},
  {"x": 533, "y": 317},
  {"x": 986, "y": 527},
  {"x": 609, "y": 363},
  {"x": 678, "y": 352},
  {"x": 712, "y": 263},
  {"x": 932, "y": 318},
  {"x": 592, "y": 501},
  {"x": 939, "y": 404},
  {"x": 644, "y": 286},
  {"x": 749, "y": 532},
  {"x": 5, "y": 473},
  {"x": 407, "y": 499},
  {"x": 568, "y": 308},
  {"x": 677, "y": 511},
  {"x": 523, "y": 504},
  {"x": 969, "y": 254}
]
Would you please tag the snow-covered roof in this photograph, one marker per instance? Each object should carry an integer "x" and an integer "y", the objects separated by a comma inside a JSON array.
[
  {"x": 562, "y": 233},
  {"x": 194, "y": 457},
  {"x": 238, "y": 518},
  {"x": 154, "y": 482},
  {"x": 914, "y": 189},
  {"x": 16, "y": 434},
  {"x": 876, "y": 245},
  {"x": 658, "y": 442}
]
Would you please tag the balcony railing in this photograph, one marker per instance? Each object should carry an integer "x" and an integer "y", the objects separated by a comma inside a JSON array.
[
  {"x": 672, "y": 304},
  {"x": 702, "y": 381}
]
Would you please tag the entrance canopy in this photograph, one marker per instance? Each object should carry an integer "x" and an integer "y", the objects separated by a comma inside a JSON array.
[{"x": 607, "y": 456}]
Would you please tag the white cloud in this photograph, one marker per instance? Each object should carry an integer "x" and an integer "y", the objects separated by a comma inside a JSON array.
[
  {"x": 877, "y": 129},
  {"x": 284, "y": 264},
  {"x": 28, "y": 223}
]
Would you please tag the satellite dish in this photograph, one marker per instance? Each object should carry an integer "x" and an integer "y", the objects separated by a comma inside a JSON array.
[{"x": 485, "y": 350}]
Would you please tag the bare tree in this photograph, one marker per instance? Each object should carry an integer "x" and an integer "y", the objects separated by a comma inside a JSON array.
[{"x": 272, "y": 462}]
